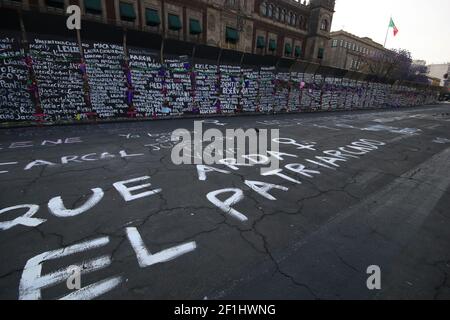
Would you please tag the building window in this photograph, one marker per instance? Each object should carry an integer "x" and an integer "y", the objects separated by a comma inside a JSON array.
[
  {"x": 287, "y": 49},
  {"x": 334, "y": 43},
  {"x": 321, "y": 53},
  {"x": 152, "y": 18},
  {"x": 174, "y": 22},
  {"x": 341, "y": 44},
  {"x": 231, "y": 35},
  {"x": 55, "y": 3},
  {"x": 298, "y": 51},
  {"x": 270, "y": 11},
  {"x": 354, "y": 47},
  {"x": 356, "y": 64},
  {"x": 260, "y": 42},
  {"x": 283, "y": 16},
  {"x": 324, "y": 25},
  {"x": 290, "y": 18},
  {"x": 272, "y": 45},
  {"x": 127, "y": 12},
  {"x": 263, "y": 9},
  {"x": 231, "y": 3},
  {"x": 194, "y": 27},
  {"x": 276, "y": 14},
  {"x": 93, "y": 7},
  {"x": 295, "y": 20}
]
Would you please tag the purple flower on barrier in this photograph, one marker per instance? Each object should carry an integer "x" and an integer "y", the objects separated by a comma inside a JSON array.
[
  {"x": 218, "y": 106},
  {"x": 130, "y": 96},
  {"x": 128, "y": 74},
  {"x": 83, "y": 68},
  {"x": 28, "y": 61}
]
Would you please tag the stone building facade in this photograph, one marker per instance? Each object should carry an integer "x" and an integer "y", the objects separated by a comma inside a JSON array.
[
  {"x": 441, "y": 72},
  {"x": 285, "y": 28},
  {"x": 350, "y": 52}
]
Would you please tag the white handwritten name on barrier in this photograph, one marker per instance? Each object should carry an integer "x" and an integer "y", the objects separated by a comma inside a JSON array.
[
  {"x": 171, "y": 88},
  {"x": 15, "y": 99},
  {"x": 56, "y": 64},
  {"x": 147, "y": 81},
  {"x": 32, "y": 281},
  {"x": 106, "y": 79}
]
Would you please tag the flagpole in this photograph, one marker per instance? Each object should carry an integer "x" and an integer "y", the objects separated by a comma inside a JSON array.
[{"x": 387, "y": 32}]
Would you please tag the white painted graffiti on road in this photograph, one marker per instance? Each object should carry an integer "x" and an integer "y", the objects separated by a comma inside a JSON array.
[
  {"x": 441, "y": 140},
  {"x": 32, "y": 281},
  {"x": 73, "y": 159},
  {"x": 57, "y": 208},
  {"x": 329, "y": 159},
  {"x": 43, "y": 143}
]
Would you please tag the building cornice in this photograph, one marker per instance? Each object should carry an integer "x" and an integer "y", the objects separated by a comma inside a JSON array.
[
  {"x": 279, "y": 26},
  {"x": 364, "y": 40}
]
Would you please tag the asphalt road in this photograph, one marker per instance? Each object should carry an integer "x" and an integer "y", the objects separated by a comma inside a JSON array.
[{"x": 67, "y": 199}]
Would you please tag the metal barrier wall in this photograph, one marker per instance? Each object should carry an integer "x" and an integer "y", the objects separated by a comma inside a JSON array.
[{"x": 67, "y": 77}]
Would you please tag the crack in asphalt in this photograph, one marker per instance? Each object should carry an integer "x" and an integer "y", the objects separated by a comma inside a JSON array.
[{"x": 250, "y": 233}]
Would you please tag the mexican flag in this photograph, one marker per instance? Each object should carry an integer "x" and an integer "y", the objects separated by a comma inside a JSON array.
[{"x": 392, "y": 25}]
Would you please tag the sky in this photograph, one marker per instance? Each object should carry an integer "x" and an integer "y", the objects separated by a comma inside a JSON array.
[{"x": 424, "y": 25}]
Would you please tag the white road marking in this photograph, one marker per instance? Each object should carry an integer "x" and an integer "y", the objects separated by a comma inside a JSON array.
[
  {"x": 146, "y": 259},
  {"x": 57, "y": 207},
  {"x": 32, "y": 282},
  {"x": 396, "y": 212},
  {"x": 441, "y": 140},
  {"x": 94, "y": 290},
  {"x": 7, "y": 164}
]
